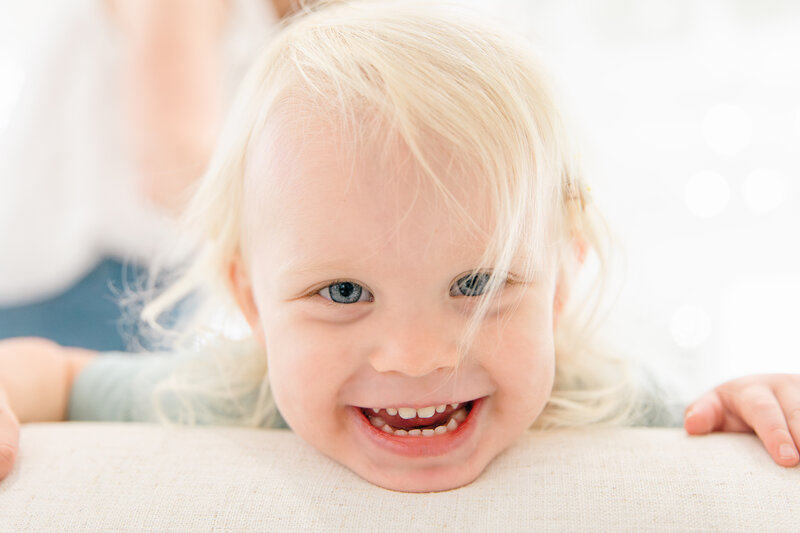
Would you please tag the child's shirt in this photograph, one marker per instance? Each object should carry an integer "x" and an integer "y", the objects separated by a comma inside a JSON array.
[{"x": 118, "y": 386}]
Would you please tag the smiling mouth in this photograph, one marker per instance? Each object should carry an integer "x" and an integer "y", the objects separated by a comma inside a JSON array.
[{"x": 423, "y": 422}]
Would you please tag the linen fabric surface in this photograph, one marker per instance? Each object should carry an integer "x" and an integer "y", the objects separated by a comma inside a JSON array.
[{"x": 143, "y": 477}]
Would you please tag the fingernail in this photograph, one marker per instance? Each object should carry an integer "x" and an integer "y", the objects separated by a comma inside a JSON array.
[
  {"x": 690, "y": 412},
  {"x": 787, "y": 451}
]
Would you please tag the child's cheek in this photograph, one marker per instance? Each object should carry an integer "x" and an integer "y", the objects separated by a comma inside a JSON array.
[
  {"x": 523, "y": 368},
  {"x": 306, "y": 377}
]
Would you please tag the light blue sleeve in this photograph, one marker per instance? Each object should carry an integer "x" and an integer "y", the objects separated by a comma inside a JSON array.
[
  {"x": 118, "y": 386},
  {"x": 659, "y": 406}
]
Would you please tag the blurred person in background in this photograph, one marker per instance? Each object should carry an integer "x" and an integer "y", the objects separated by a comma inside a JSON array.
[{"x": 117, "y": 119}]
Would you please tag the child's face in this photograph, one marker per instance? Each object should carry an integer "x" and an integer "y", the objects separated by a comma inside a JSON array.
[{"x": 322, "y": 229}]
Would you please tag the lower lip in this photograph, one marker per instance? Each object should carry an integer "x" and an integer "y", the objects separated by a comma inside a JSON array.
[{"x": 418, "y": 446}]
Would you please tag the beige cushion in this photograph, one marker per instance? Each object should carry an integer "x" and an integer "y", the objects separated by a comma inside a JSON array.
[{"x": 138, "y": 477}]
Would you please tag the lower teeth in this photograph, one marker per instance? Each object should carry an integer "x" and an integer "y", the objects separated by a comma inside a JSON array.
[{"x": 452, "y": 424}]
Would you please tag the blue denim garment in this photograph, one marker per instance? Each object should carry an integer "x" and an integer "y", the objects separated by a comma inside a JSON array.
[{"x": 87, "y": 314}]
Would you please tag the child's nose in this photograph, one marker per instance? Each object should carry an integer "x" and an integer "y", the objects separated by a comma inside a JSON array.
[{"x": 414, "y": 347}]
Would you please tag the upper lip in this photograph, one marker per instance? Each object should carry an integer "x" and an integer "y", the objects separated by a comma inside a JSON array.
[{"x": 415, "y": 405}]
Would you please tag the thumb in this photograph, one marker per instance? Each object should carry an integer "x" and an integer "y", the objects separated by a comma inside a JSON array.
[{"x": 9, "y": 436}]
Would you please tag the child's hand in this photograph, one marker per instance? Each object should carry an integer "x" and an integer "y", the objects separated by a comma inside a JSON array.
[
  {"x": 9, "y": 436},
  {"x": 768, "y": 405},
  {"x": 36, "y": 378}
]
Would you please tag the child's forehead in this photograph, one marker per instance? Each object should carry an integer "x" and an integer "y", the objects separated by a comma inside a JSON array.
[
  {"x": 315, "y": 195},
  {"x": 315, "y": 170}
]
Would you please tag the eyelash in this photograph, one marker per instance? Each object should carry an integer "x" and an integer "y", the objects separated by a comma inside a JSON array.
[{"x": 509, "y": 281}]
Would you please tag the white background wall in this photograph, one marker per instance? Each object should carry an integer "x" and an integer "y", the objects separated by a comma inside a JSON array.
[
  {"x": 691, "y": 117},
  {"x": 690, "y": 114}
]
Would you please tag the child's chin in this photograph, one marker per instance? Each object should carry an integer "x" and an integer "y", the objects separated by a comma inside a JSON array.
[{"x": 424, "y": 480}]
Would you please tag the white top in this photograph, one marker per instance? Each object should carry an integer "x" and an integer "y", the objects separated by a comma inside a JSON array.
[{"x": 68, "y": 194}]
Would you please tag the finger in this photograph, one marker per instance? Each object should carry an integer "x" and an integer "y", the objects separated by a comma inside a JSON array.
[
  {"x": 9, "y": 436},
  {"x": 789, "y": 398},
  {"x": 709, "y": 414},
  {"x": 758, "y": 406},
  {"x": 702, "y": 416}
]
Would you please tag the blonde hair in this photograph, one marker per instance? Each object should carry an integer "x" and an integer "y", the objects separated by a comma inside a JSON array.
[{"x": 434, "y": 77}]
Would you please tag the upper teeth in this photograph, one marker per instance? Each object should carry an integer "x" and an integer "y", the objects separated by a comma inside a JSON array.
[
  {"x": 423, "y": 412},
  {"x": 451, "y": 425}
]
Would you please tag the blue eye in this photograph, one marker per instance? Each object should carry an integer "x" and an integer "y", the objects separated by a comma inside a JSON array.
[
  {"x": 345, "y": 292},
  {"x": 474, "y": 284}
]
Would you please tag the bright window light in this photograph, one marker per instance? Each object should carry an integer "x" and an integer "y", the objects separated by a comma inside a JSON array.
[
  {"x": 690, "y": 326},
  {"x": 706, "y": 194},
  {"x": 727, "y": 129},
  {"x": 764, "y": 189}
]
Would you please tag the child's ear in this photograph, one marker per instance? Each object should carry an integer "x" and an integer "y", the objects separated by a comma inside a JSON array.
[
  {"x": 560, "y": 298},
  {"x": 242, "y": 290},
  {"x": 567, "y": 272}
]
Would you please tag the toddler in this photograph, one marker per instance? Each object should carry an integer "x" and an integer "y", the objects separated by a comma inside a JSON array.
[{"x": 395, "y": 210}]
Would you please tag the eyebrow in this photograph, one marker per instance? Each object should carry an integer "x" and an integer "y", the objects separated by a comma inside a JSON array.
[{"x": 301, "y": 267}]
